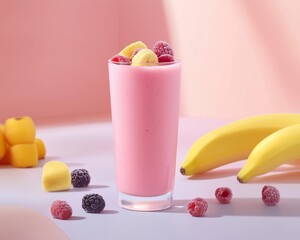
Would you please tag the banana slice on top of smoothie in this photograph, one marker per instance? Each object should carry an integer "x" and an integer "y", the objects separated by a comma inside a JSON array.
[{"x": 144, "y": 57}]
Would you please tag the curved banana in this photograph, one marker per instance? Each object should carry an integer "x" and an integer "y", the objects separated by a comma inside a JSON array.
[
  {"x": 278, "y": 148},
  {"x": 128, "y": 50},
  {"x": 233, "y": 142}
]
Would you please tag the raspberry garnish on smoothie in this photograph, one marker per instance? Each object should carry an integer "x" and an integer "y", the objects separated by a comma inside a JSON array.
[
  {"x": 138, "y": 54},
  {"x": 120, "y": 59}
]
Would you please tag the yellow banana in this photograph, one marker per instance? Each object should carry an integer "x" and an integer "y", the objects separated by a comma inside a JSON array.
[
  {"x": 233, "y": 142},
  {"x": 278, "y": 148},
  {"x": 144, "y": 57},
  {"x": 128, "y": 50}
]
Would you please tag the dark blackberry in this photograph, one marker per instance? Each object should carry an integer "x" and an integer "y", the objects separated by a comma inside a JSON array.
[
  {"x": 93, "y": 203},
  {"x": 80, "y": 178}
]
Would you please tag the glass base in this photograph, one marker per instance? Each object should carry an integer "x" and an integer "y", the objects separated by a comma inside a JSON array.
[{"x": 145, "y": 204}]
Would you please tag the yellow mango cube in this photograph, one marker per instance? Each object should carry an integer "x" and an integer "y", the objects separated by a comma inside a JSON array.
[
  {"x": 56, "y": 176},
  {"x": 19, "y": 130},
  {"x": 6, "y": 158},
  {"x": 2, "y": 144},
  {"x": 23, "y": 155},
  {"x": 41, "y": 148},
  {"x": 2, "y": 128}
]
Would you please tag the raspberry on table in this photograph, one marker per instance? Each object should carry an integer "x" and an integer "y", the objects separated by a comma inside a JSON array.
[
  {"x": 80, "y": 178},
  {"x": 197, "y": 207},
  {"x": 93, "y": 203},
  {"x": 61, "y": 210},
  {"x": 162, "y": 47},
  {"x": 165, "y": 58},
  {"x": 270, "y": 195},
  {"x": 120, "y": 59},
  {"x": 223, "y": 194}
]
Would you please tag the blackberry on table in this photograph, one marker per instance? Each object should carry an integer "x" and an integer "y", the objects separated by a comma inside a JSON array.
[
  {"x": 93, "y": 203},
  {"x": 80, "y": 178}
]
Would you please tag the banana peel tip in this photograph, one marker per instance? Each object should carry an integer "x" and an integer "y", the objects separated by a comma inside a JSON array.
[{"x": 182, "y": 171}]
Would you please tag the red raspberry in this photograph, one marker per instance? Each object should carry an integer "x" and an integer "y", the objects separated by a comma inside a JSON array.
[
  {"x": 61, "y": 210},
  {"x": 223, "y": 194},
  {"x": 165, "y": 58},
  {"x": 162, "y": 47},
  {"x": 120, "y": 59},
  {"x": 270, "y": 195},
  {"x": 197, "y": 207},
  {"x": 135, "y": 52}
]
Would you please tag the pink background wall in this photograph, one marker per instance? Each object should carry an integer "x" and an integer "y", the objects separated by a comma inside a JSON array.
[
  {"x": 53, "y": 57},
  {"x": 239, "y": 57}
]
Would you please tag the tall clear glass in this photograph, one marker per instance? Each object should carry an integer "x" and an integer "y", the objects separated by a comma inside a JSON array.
[{"x": 145, "y": 112}]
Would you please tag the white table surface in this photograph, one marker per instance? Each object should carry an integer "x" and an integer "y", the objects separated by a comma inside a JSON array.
[{"x": 90, "y": 146}]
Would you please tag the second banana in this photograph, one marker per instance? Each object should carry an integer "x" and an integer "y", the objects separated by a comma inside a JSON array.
[{"x": 235, "y": 141}]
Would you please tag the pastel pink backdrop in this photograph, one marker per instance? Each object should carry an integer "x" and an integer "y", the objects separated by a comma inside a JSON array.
[
  {"x": 52, "y": 57},
  {"x": 240, "y": 58}
]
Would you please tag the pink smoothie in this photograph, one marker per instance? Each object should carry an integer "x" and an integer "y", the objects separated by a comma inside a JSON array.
[{"x": 145, "y": 105}]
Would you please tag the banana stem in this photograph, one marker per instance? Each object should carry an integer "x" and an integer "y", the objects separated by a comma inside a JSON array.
[{"x": 182, "y": 171}]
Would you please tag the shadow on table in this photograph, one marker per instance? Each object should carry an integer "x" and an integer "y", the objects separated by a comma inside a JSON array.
[
  {"x": 216, "y": 173},
  {"x": 88, "y": 188},
  {"x": 105, "y": 211},
  {"x": 76, "y": 218},
  {"x": 109, "y": 211},
  {"x": 286, "y": 173},
  {"x": 287, "y": 207},
  {"x": 289, "y": 177}
]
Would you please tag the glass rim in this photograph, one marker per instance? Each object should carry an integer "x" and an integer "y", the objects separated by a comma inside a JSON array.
[{"x": 176, "y": 61}]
